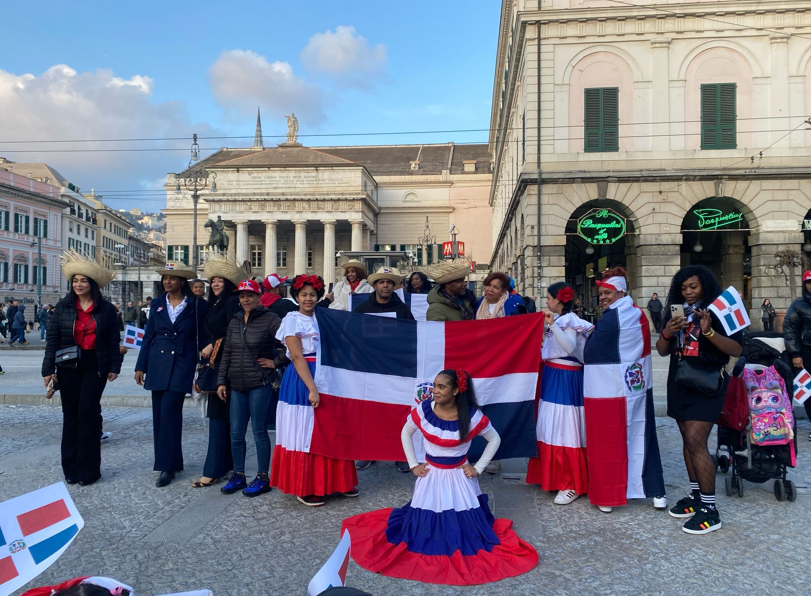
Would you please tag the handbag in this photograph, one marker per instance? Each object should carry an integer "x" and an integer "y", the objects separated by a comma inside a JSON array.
[
  {"x": 68, "y": 357},
  {"x": 207, "y": 371},
  {"x": 704, "y": 380}
]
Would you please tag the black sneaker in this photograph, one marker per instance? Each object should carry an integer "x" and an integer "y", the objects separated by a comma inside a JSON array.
[
  {"x": 311, "y": 501},
  {"x": 686, "y": 507},
  {"x": 351, "y": 493},
  {"x": 403, "y": 467},
  {"x": 703, "y": 522},
  {"x": 363, "y": 464}
]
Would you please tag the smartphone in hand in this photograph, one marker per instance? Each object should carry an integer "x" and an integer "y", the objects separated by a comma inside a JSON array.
[{"x": 676, "y": 310}]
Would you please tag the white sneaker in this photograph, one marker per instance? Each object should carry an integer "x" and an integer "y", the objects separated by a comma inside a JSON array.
[
  {"x": 564, "y": 497},
  {"x": 605, "y": 509},
  {"x": 494, "y": 467},
  {"x": 660, "y": 502},
  {"x": 106, "y": 436}
]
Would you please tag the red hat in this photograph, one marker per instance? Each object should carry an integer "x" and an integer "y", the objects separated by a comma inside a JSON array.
[
  {"x": 273, "y": 280},
  {"x": 248, "y": 285},
  {"x": 807, "y": 276}
]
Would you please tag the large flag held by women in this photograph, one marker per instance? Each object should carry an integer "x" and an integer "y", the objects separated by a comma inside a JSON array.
[{"x": 371, "y": 371}]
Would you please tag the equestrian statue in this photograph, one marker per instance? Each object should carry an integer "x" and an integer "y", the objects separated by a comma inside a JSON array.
[{"x": 217, "y": 238}]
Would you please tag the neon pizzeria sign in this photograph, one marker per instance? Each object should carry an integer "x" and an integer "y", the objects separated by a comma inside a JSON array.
[
  {"x": 712, "y": 219},
  {"x": 601, "y": 226}
]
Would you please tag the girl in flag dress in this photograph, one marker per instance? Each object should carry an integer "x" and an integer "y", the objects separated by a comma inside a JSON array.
[
  {"x": 446, "y": 533},
  {"x": 561, "y": 427},
  {"x": 294, "y": 470}
]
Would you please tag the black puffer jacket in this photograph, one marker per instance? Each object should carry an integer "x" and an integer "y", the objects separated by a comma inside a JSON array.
[
  {"x": 244, "y": 344},
  {"x": 797, "y": 325},
  {"x": 60, "y": 335}
]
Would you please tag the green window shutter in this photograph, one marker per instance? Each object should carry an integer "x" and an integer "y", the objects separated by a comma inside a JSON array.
[
  {"x": 185, "y": 258},
  {"x": 16, "y": 223},
  {"x": 592, "y": 120},
  {"x": 44, "y": 275},
  {"x": 27, "y": 220},
  {"x": 170, "y": 253},
  {"x": 5, "y": 271},
  {"x": 377, "y": 247},
  {"x": 719, "y": 116},
  {"x": 25, "y": 274},
  {"x": 419, "y": 255},
  {"x": 6, "y": 221},
  {"x": 601, "y": 120},
  {"x": 44, "y": 228},
  {"x": 402, "y": 248},
  {"x": 611, "y": 119}
]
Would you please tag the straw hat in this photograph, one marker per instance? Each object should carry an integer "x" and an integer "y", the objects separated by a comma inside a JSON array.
[
  {"x": 221, "y": 265},
  {"x": 74, "y": 263},
  {"x": 176, "y": 270},
  {"x": 390, "y": 273},
  {"x": 449, "y": 270},
  {"x": 356, "y": 264}
]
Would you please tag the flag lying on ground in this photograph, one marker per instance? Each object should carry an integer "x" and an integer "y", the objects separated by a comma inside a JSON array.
[
  {"x": 133, "y": 337},
  {"x": 730, "y": 311},
  {"x": 35, "y": 529},
  {"x": 418, "y": 303},
  {"x": 333, "y": 573},
  {"x": 802, "y": 386},
  {"x": 371, "y": 371}
]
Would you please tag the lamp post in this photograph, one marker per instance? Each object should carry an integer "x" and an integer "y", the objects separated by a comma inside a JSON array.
[
  {"x": 38, "y": 244},
  {"x": 195, "y": 180},
  {"x": 123, "y": 261},
  {"x": 427, "y": 239}
]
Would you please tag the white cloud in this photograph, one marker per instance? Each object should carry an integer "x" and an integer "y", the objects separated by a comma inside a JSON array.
[
  {"x": 62, "y": 104},
  {"x": 345, "y": 56},
  {"x": 241, "y": 80}
]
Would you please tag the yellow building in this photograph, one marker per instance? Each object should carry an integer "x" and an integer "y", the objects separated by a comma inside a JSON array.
[{"x": 112, "y": 238}]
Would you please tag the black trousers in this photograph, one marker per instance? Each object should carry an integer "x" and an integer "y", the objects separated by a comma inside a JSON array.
[
  {"x": 656, "y": 319},
  {"x": 768, "y": 325},
  {"x": 167, "y": 429},
  {"x": 218, "y": 458},
  {"x": 81, "y": 390}
]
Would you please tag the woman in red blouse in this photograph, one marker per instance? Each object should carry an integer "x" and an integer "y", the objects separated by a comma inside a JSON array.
[{"x": 85, "y": 320}]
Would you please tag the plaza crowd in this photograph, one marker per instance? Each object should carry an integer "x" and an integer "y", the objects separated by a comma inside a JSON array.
[{"x": 258, "y": 340}]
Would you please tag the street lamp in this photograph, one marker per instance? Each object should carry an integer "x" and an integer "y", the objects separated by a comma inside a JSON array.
[
  {"x": 427, "y": 239},
  {"x": 195, "y": 180}
]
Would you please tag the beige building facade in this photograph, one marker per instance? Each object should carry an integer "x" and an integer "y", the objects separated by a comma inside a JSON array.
[
  {"x": 682, "y": 122},
  {"x": 292, "y": 209}
]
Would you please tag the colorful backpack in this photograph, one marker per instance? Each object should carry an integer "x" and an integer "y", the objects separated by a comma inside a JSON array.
[{"x": 770, "y": 412}]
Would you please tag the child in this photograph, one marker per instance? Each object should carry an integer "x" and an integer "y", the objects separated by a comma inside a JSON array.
[
  {"x": 446, "y": 533},
  {"x": 294, "y": 470}
]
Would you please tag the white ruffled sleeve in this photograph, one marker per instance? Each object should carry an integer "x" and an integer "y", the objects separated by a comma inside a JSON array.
[{"x": 290, "y": 326}]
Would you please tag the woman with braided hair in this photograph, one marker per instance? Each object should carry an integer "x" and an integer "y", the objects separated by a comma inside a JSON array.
[
  {"x": 561, "y": 427},
  {"x": 446, "y": 533}
]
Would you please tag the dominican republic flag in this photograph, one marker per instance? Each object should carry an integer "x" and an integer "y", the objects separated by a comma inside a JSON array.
[
  {"x": 802, "y": 386},
  {"x": 333, "y": 573},
  {"x": 417, "y": 303},
  {"x": 730, "y": 311},
  {"x": 35, "y": 529},
  {"x": 622, "y": 450},
  {"x": 133, "y": 337},
  {"x": 371, "y": 371}
]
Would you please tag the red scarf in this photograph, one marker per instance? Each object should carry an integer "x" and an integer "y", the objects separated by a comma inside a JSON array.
[{"x": 353, "y": 285}]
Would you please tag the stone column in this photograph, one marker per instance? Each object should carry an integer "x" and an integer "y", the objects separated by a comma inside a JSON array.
[
  {"x": 329, "y": 250},
  {"x": 661, "y": 93},
  {"x": 300, "y": 247},
  {"x": 766, "y": 282},
  {"x": 271, "y": 246},
  {"x": 357, "y": 234},
  {"x": 242, "y": 239},
  {"x": 367, "y": 239}
]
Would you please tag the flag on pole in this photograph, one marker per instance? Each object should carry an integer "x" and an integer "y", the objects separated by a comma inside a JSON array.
[
  {"x": 333, "y": 573},
  {"x": 35, "y": 529},
  {"x": 802, "y": 386},
  {"x": 133, "y": 337},
  {"x": 730, "y": 311},
  {"x": 371, "y": 371}
]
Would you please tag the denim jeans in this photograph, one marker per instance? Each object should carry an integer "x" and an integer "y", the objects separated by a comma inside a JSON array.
[
  {"x": 251, "y": 404},
  {"x": 42, "y": 330}
]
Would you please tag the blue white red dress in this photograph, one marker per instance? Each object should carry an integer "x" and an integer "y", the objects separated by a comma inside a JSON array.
[
  {"x": 446, "y": 533},
  {"x": 561, "y": 426},
  {"x": 294, "y": 470}
]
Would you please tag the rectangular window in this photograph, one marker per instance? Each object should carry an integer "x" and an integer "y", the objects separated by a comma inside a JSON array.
[
  {"x": 4, "y": 220},
  {"x": 40, "y": 275},
  {"x": 310, "y": 257},
  {"x": 601, "y": 120},
  {"x": 70, "y": 226},
  {"x": 203, "y": 252},
  {"x": 21, "y": 223},
  {"x": 93, "y": 234},
  {"x": 256, "y": 256},
  {"x": 3, "y": 272},
  {"x": 40, "y": 227},
  {"x": 719, "y": 116},
  {"x": 281, "y": 256},
  {"x": 178, "y": 252},
  {"x": 20, "y": 273},
  {"x": 86, "y": 233}
]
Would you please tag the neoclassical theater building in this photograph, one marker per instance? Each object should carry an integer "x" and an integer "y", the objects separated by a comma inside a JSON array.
[
  {"x": 657, "y": 133},
  {"x": 291, "y": 209}
]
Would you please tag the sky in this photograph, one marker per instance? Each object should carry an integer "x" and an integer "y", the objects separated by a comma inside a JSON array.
[{"x": 93, "y": 70}]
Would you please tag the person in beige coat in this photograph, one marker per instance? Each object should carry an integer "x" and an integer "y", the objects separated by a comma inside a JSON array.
[{"x": 354, "y": 282}]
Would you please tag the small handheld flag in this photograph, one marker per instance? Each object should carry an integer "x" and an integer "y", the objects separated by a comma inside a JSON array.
[
  {"x": 802, "y": 386},
  {"x": 133, "y": 337},
  {"x": 730, "y": 310},
  {"x": 35, "y": 529},
  {"x": 333, "y": 573}
]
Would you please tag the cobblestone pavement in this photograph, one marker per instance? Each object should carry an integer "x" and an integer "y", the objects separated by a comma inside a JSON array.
[{"x": 179, "y": 538}]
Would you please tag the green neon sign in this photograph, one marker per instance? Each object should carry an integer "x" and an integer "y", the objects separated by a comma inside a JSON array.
[
  {"x": 601, "y": 226},
  {"x": 712, "y": 219}
]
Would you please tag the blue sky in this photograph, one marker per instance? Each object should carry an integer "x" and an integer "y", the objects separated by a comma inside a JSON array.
[{"x": 172, "y": 68}]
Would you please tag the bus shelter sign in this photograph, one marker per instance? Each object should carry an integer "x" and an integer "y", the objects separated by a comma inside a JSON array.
[{"x": 601, "y": 226}]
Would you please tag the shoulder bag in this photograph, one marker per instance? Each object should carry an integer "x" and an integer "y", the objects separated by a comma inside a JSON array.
[
  {"x": 207, "y": 371},
  {"x": 708, "y": 381}
]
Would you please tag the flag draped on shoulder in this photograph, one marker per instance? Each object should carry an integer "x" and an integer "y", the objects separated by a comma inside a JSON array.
[
  {"x": 730, "y": 310},
  {"x": 371, "y": 371}
]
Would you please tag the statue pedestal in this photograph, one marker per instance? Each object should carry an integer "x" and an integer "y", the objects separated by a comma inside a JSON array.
[{"x": 290, "y": 144}]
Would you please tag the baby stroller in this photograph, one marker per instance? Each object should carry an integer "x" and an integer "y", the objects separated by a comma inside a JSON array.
[{"x": 756, "y": 431}]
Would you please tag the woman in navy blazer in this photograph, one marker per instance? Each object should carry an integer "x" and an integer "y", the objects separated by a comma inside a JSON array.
[{"x": 174, "y": 336}]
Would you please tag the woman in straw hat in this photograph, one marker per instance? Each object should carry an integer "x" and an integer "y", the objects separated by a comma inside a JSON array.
[
  {"x": 223, "y": 276},
  {"x": 86, "y": 322},
  {"x": 450, "y": 300},
  {"x": 173, "y": 339},
  {"x": 354, "y": 282}
]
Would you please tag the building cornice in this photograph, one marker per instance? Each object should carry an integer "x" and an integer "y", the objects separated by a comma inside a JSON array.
[{"x": 16, "y": 193}]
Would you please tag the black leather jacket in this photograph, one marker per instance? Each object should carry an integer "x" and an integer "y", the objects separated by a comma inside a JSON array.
[
  {"x": 244, "y": 344},
  {"x": 60, "y": 335},
  {"x": 797, "y": 325}
]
